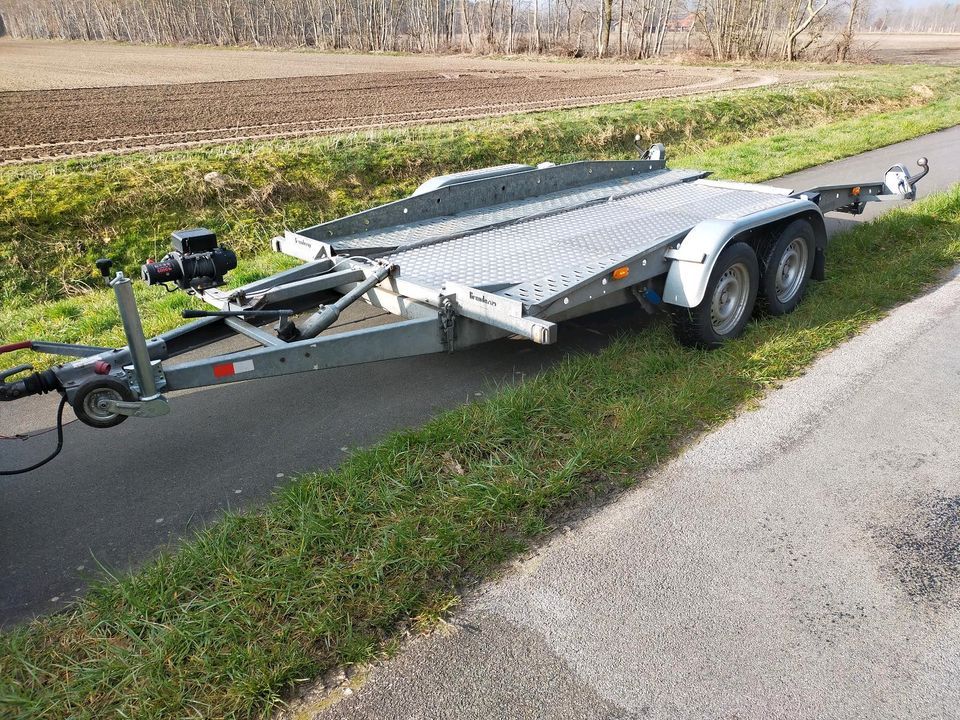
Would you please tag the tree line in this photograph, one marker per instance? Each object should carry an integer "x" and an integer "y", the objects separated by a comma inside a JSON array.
[
  {"x": 491, "y": 26},
  {"x": 725, "y": 29},
  {"x": 933, "y": 17}
]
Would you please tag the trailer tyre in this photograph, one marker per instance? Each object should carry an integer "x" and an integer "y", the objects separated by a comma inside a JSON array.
[
  {"x": 786, "y": 267},
  {"x": 727, "y": 303},
  {"x": 86, "y": 403}
]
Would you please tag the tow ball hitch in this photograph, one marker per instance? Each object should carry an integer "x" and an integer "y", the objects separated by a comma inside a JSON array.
[{"x": 900, "y": 182}]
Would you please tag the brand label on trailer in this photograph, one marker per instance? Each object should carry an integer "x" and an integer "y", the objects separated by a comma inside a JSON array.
[
  {"x": 232, "y": 368},
  {"x": 485, "y": 303}
]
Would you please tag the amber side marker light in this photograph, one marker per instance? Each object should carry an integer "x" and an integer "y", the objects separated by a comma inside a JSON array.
[{"x": 621, "y": 272}]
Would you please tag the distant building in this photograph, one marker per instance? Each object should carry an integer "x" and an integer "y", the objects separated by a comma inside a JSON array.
[{"x": 682, "y": 24}]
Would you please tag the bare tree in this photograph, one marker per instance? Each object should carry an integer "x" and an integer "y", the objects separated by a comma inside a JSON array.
[
  {"x": 465, "y": 30},
  {"x": 727, "y": 29},
  {"x": 798, "y": 22},
  {"x": 606, "y": 20},
  {"x": 845, "y": 39},
  {"x": 716, "y": 19}
]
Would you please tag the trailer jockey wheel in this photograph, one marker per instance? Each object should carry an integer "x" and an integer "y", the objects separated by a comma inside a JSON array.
[
  {"x": 727, "y": 303},
  {"x": 88, "y": 402},
  {"x": 786, "y": 267}
]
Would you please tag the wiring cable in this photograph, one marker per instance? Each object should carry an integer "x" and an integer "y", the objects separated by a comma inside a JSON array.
[{"x": 51, "y": 456}]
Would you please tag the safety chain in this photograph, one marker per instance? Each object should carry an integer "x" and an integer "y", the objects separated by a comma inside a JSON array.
[{"x": 448, "y": 333}]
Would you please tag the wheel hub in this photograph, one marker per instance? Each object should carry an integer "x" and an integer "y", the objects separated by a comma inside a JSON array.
[
  {"x": 730, "y": 299},
  {"x": 790, "y": 272},
  {"x": 96, "y": 403}
]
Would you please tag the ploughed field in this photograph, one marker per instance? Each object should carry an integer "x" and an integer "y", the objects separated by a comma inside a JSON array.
[
  {"x": 40, "y": 124},
  {"x": 928, "y": 48}
]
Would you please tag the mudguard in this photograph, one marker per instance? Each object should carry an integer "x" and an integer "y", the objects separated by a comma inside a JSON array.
[{"x": 693, "y": 261}]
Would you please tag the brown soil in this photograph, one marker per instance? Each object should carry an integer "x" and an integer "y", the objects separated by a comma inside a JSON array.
[
  {"x": 42, "y": 124},
  {"x": 930, "y": 48}
]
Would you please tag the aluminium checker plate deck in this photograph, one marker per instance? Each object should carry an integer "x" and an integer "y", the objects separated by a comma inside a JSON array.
[
  {"x": 421, "y": 232},
  {"x": 535, "y": 250}
]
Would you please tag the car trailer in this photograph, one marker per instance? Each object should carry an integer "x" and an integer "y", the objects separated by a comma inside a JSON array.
[{"x": 469, "y": 258}]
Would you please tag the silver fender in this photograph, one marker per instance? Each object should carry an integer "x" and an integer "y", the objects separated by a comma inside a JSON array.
[{"x": 693, "y": 261}]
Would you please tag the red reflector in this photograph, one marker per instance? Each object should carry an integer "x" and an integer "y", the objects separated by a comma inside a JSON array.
[{"x": 224, "y": 370}]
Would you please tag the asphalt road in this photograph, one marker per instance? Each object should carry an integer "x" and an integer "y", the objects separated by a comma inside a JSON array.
[{"x": 113, "y": 498}]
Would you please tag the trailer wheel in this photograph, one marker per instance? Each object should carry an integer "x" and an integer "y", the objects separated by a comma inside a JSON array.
[
  {"x": 786, "y": 267},
  {"x": 727, "y": 303},
  {"x": 86, "y": 403}
]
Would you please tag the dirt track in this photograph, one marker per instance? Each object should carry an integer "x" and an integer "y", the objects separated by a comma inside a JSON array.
[{"x": 40, "y": 124}]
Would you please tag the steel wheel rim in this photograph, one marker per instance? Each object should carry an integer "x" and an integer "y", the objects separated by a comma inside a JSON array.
[
  {"x": 790, "y": 271},
  {"x": 92, "y": 403},
  {"x": 730, "y": 298}
]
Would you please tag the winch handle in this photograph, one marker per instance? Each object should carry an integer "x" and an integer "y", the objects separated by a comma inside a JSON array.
[{"x": 192, "y": 314}]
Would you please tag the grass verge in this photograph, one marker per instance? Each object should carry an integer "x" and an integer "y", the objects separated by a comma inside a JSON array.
[
  {"x": 55, "y": 219},
  {"x": 340, "y": 560}
]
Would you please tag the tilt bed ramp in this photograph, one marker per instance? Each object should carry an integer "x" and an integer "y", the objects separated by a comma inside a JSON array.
[{"x": 467, "y": 258}]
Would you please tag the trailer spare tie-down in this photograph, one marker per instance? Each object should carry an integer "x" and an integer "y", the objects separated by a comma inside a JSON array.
[{"x": 467, "y": 258}]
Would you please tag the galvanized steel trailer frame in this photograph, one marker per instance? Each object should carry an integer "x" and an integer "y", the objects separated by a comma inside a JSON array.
[{"x": 466, "y": 259}]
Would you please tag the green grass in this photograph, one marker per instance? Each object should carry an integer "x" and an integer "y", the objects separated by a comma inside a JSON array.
[{"x": 340, "y": 562}]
